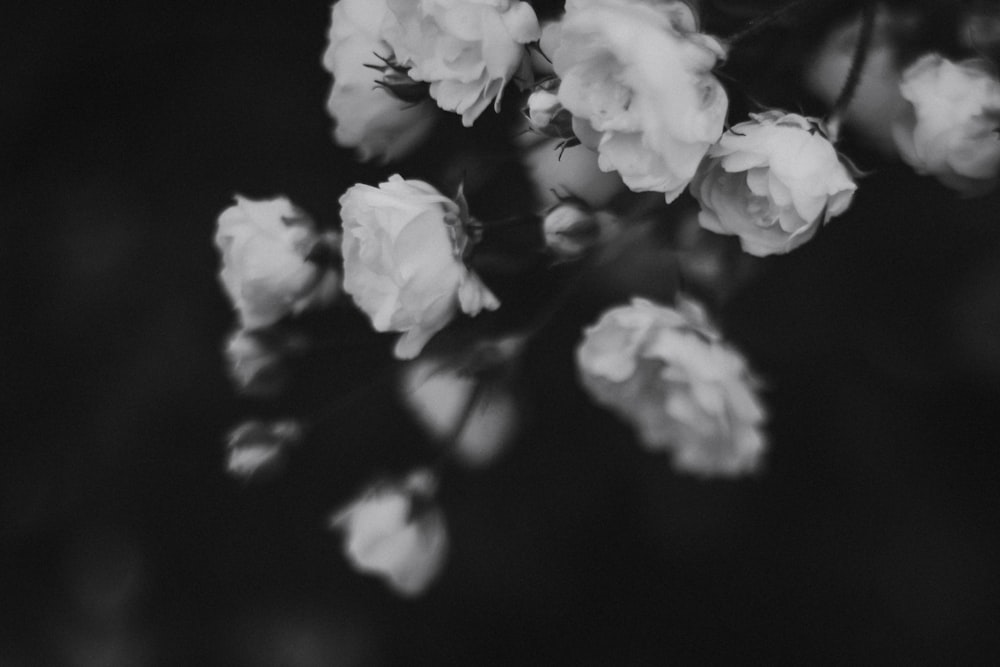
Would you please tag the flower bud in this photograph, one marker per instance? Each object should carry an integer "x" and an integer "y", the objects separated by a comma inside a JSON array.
[
  {"x": 259, "y": 447},
  {"x": 395, "y": 531},
  {"x": 255, "y": 365},
  {"x": 570, "y": 229},
  {"x": 547, "y": 115}
]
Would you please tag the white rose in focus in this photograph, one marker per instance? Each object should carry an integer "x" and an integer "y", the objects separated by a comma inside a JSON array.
[
  {"x": 368, "y": 118},
  {"x": 466, "y": 49},
  {"x": 402, "y": 248},
  {"x": 265, "y": 270},
  {"x": 637, "y": 78},
  {"x": 388, "y": 534},
  {"x": 772, "y": 181},
  {"x": 668, "y": 374},
  {"x": 950, "y": 128}
]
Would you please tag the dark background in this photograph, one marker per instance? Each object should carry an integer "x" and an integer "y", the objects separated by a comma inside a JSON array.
[{"x": 125, "y": 128}]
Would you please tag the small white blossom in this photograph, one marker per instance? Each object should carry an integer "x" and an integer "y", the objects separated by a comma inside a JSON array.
[
  {"x": 468, "y": 50},
  {"x": 367, "y": 117},
  {"x": 637, "y": 78},
  {"x": 265, "y": 270},
  {"x": 543, "y": 106},
  {"x": 772, "y": 181},
  {"x": 254, "y": 446},
  {"x": 402, "y": 248},
  {"x": 255, "y": 366},
  {"x": 668, "y": 374},
  {"x": 950, "y": 129},
  {"x": 394, "y": 531}
]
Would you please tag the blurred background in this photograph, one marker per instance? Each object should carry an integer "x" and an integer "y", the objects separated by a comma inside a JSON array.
[{"x": 125, "y": 128}]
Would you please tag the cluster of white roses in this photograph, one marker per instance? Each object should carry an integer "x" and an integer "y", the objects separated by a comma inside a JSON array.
[{"x": 630, "y": 80}]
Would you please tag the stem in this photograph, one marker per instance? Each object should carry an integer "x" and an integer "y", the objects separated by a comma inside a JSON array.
[
  {"x": 861, "y": 50},
  {"x": 763, "y": 22}
]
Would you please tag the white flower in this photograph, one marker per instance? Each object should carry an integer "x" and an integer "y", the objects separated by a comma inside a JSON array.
[
  {"x": 666, "y": 372},
  {"x": 542, "y": 108},
  {"x": 367, "y": 117},
  {"x": 403, "y": 265},
  {"x": 265, "y": 270},
  {"x": 255, "y": 366},
  {"x": 438, "y": 395},
  {"x": 950, "y": 131},
  {"x": 254, "y": 447},
  {"x": 387, "y": 534},
  {"x": 772, "y": 181},
  {"x": 571, "y": 228},
  {"x": 637, "y": 78},
  {"x": 466, "y": 49}
]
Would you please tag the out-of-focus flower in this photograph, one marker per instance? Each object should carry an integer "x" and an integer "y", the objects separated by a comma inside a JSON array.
[
  {"x": 266, "y": 269},
  {"x": 396, "y": 532},
  {"x": 952, "y": 129},
  {"x": 637, "y": 78},
  {"x": 368, "y": 118},
  {"x": 438, "y": 393},
  {"x": 772, "y": 181},
  {"x": 667, "y": 373},
  {"x": 255, "y": 446},
  {"x": 403, "y": 244},
  {"x": 571, "y": 228},
  {"x": 255, "y": 366},
  {"x": 466, "y": 49}
]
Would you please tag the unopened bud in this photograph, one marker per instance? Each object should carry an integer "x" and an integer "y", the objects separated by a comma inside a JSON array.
[
  {"x": 255, "y": 364},
  {"x": 571, "y": 228},
  {"x": 257, "y": 447},
  {"x": 547, "y": 115}
]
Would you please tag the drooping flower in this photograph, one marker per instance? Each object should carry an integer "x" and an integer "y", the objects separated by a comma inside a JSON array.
[
  {"x": 402, "y": 245},
  {"x": 256, "y": 447},
  {"x": 951, "y": 129},
  {"x": 772, "y": 181},
  {"x": 468, "y": 50},
  {"x": 266, "y": 270},
  {"x": 254, "y": 365},
  {"x": 368, "y": 118},
  {"x": 637, "y": 78},
  {"x": 396, "y": 532},
  {"x": 667, "y": 373}
]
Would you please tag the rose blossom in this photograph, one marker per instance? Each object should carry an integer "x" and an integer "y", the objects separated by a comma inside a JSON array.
[
  {"x": 772, "y": 181},
  {"x": 264, "y": 247},
  {"x": 466, "y": 49},
  {"x": 403, "y": 265},
  {"x": 637, "y": 78},
  {"x": 667, "y": 373},
  {"x": 368, "y": 117},
  {"x": 387, "y": 534},
  {"x": 950, "y": 129}
]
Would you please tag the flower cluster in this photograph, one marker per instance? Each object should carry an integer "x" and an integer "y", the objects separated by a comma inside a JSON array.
[{"x": 617, "y": 97}]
